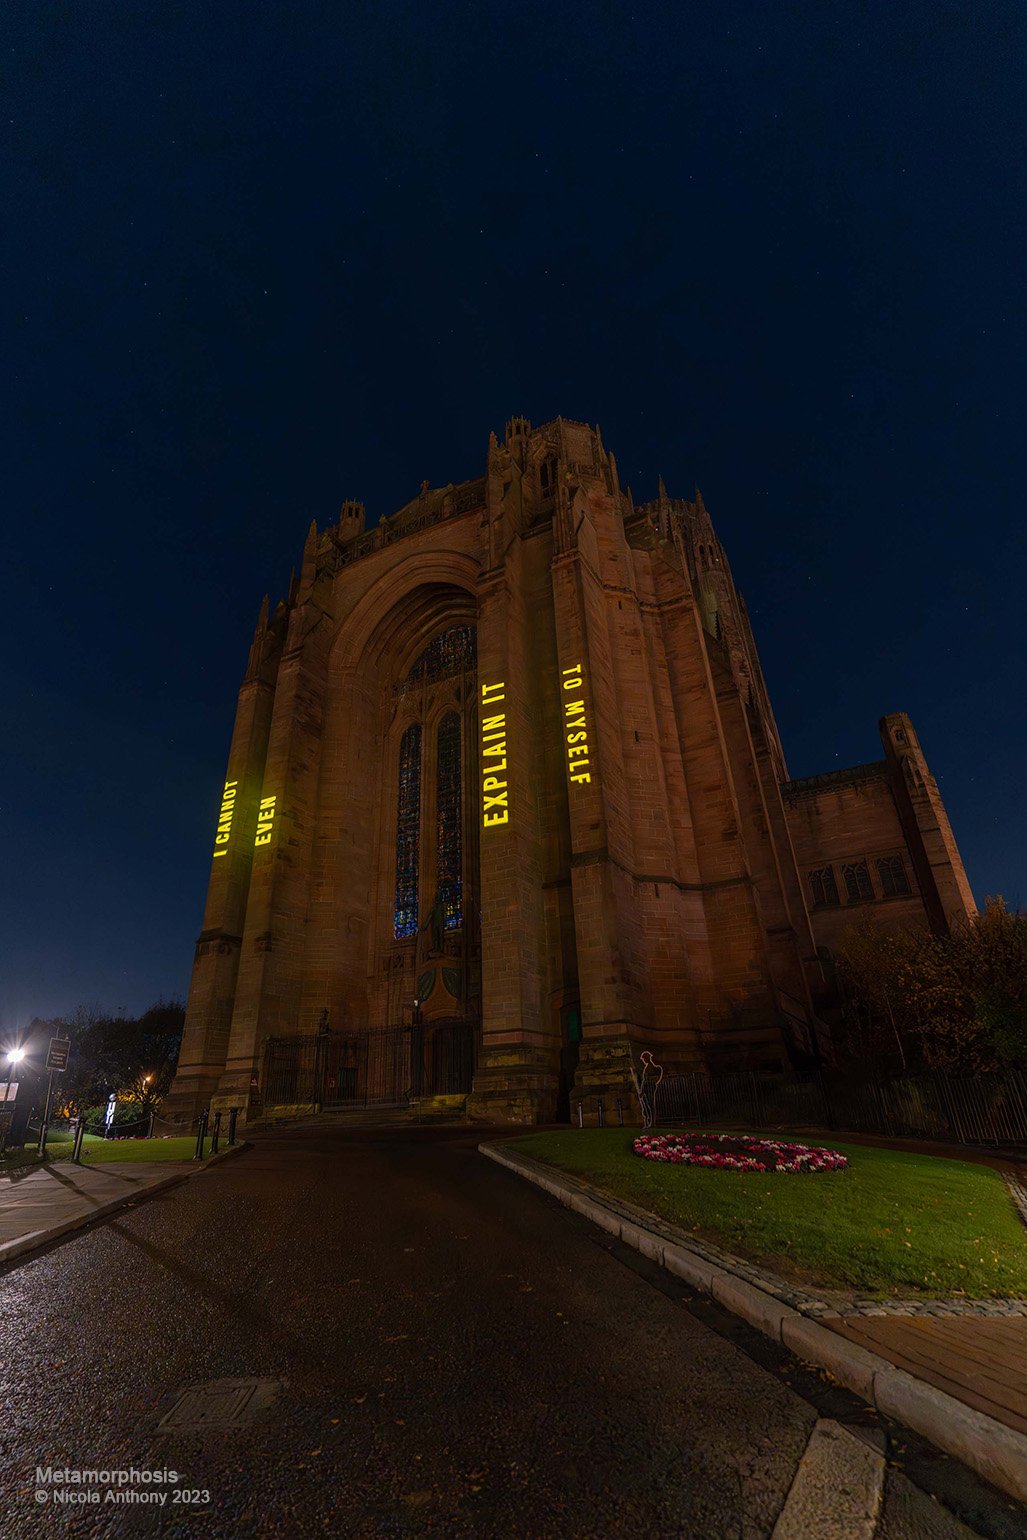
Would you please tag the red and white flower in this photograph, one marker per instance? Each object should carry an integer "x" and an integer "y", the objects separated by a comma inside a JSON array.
[{"x": 737, "y": 1152}]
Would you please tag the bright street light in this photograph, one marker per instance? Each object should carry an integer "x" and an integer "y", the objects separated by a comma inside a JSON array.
[{"x": 14, "y": 1056}]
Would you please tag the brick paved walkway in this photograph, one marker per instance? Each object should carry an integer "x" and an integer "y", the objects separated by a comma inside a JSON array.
[{"x": 980, "y": 1362}]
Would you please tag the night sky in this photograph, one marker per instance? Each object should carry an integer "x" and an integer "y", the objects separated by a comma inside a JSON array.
[{"x": 259, "y": 258}]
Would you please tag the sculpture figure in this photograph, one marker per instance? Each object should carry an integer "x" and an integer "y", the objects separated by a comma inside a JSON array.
[{"x": 645, "y": 1084}]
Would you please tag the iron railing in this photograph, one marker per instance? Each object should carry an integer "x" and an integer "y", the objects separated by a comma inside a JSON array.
[{"x": 970, "y": 1109}]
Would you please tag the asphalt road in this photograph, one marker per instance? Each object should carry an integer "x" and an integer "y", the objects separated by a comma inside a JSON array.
[{"x": 450, "y": 1353}]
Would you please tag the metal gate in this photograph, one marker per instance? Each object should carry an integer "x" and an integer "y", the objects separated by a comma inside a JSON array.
[
  {"x": 383, "y": 1067},
  {"x": 355, "y": 1070},
  {"x": 372, "y": 1068}
]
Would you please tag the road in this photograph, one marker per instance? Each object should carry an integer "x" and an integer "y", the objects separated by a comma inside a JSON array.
[{"x": 448, "y": 1351}]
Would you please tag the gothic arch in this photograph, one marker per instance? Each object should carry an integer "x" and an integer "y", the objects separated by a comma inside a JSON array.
[
  {"x": 369, "y": 967},
  {"x": 403, "y": 609}
]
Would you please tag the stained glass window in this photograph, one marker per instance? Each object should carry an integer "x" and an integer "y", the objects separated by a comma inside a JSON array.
[
  {"x": 449, "y": 653},
  {"x": 448, "y": 830},
  {"x": 408, "y": 830}
]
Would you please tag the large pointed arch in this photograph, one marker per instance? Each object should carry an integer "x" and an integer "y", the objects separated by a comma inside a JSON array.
[{"x": 403, "y": 609}]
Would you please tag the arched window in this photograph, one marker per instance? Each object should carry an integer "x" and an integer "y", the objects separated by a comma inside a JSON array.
[
  {"x": 858, "y": 887},
  {"x": 892, "y": 872},
  {"x": 408, "y": 831},
  {"x": 451, "y": 652},
  {"x": 823, "y": 888},
  {"x": 449, "y": 834}
]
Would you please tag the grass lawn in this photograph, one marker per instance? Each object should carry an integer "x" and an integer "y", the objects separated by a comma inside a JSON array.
[
  {"x": 890, "y": 1224},
  {"x": 97, "y": 1151}
]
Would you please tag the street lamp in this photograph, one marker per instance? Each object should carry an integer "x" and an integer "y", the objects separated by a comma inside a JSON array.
[{"x": 14, "y": 1056}]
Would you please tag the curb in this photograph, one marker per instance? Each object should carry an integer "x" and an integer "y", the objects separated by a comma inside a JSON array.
[
  {"x": 230, "y": 1149},
  {"x": 996, "y": 1452},
  {"x": 35, "y": 1240}
]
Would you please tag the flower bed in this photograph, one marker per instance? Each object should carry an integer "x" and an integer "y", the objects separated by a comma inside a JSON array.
[{"x": 735, "y": 1152}]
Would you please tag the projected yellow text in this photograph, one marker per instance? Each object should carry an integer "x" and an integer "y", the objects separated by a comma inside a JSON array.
[
  {"x": 494, "y": 806},
  {"x": 225, "y": 818},
  {"x": 575, "y": 728},
  {"x": 265, "y": 821}
]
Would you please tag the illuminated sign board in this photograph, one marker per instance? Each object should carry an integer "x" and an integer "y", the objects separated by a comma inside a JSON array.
[
  {"x": 575, "y": 728},
  {"x": 265, "y": 820},
  {"x": 225, "y": 818},
  {"x": 494, "y": 807}
]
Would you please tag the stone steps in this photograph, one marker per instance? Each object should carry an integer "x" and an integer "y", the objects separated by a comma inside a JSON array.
[{"x": 393, "y": 1113}]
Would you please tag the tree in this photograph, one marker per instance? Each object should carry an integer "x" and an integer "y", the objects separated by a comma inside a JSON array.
[
  {"x": 139, "y": 1056},
  {"x": 75, "y": 1088},
  {"x": 955, "y": 1002},
  {"x": 996, "y": 980},
  {"x": 869, "y": 966},
  {"x": 135, "y": 1057}
]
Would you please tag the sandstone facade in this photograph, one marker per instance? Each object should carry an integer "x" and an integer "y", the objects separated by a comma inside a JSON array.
[{"x": 510, "y": 754}]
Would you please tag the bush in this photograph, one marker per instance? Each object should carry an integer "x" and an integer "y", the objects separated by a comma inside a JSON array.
[{"x": 128, "y": 1119}]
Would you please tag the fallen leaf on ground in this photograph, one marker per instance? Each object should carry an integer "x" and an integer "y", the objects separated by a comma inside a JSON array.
[{"x": 417, "y": 1499}]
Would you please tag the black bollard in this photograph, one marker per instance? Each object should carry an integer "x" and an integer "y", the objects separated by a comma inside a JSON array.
[
  {"x": 581, "y": 1116},
  {"x": 233, "y": 1117},
  {"x": 80, "y": 1133},
  {"x": 201, "y": 1134},
  {"x": 215, "y": 1137},
  {"x": 620, "y": 1112},
  {"x": 602, "y": 1112}
]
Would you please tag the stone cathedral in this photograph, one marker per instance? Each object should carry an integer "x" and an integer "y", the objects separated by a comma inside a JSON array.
[{"x": 506, "y": 804}]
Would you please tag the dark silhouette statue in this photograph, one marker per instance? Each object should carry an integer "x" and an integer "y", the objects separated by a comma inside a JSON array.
[{"x": 435, "y": 926}]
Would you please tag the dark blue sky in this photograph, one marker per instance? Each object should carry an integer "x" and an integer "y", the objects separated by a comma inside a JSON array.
[{"x": 259, "y": 258}]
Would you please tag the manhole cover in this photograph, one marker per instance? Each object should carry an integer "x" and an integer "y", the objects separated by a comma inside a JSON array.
[{"x": 221, "y": 1404}]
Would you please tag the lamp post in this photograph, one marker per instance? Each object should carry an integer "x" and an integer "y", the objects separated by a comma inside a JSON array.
[{"x": 14, "y": 1056}]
